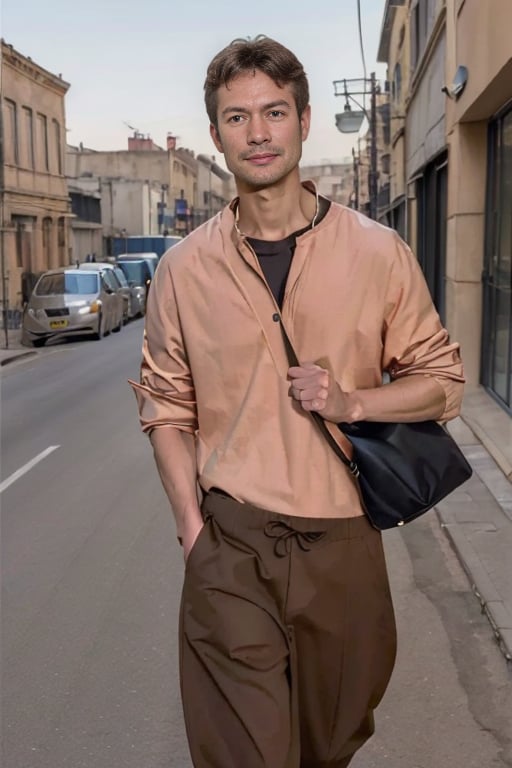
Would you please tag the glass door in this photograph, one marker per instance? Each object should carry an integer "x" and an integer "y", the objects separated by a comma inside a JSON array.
[{"x": 497, "y": 276}]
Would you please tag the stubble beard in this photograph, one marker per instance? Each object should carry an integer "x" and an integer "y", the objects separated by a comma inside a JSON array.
[{"x": 264, "y": 176}]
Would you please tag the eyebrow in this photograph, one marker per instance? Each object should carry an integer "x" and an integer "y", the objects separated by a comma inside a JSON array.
[{"x": 270, "y": 105}]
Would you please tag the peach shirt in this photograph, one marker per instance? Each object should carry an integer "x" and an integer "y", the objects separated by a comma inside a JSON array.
[{"x": 214, "y": 363}]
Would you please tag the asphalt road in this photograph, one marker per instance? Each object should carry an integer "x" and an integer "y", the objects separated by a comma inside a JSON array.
[{"x": 91, "y": 577}]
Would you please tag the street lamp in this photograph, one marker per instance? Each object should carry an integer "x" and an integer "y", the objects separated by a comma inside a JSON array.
[{"x": 350, "y": 121}]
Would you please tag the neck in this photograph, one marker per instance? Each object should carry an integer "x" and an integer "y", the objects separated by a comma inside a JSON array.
[{"x": 275, "y": 212}]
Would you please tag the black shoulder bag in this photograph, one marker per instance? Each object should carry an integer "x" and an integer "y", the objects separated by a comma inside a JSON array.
[{"x": 402, "y": 469}]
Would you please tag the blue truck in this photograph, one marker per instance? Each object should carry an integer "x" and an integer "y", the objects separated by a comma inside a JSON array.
[{"x": 158, "y": 244}]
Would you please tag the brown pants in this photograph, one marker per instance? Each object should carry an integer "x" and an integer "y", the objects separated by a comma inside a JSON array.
[{"x": 287, "y": 638}]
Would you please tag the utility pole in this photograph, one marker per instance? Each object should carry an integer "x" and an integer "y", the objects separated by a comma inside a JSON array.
[
  {"x": 350, "y": 121},
  {"x": 373, "y": 191},
  {"x": 355, "y": 160}
]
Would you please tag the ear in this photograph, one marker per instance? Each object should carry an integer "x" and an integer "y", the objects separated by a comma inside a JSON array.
[
  {"x": 216, "y": 138},
  {"x": 305, "y": 122}
]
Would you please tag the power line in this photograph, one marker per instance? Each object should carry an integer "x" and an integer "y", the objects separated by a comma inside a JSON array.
[{"x": 361, "y": 45}]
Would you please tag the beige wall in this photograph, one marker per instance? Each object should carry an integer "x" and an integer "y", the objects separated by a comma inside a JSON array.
[
  {"x": 129, "y": 205},
  {"x": 138, "y": 165},
  {"x": 85, "y": 239},
  {"x": 482, "y": 42},
  {"x": 35, "y": 203},
  {"x": 479, "y": 40},
  {"x": 465, "y": 240},
  {"x": 425, "y": 124},
  {"x": 183, "y": 176},
  {"x": 132, "y": 184},
  {"x": 334, "y": 180},
  {"x": 215, "y": 187},
  {"x": 399, "y": 56}
]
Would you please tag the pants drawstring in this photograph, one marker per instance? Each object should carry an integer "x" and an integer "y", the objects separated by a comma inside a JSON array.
[{"x": 284, "y": 534}]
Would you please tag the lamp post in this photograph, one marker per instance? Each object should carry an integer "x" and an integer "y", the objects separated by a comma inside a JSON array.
[
  {"x": 355, "y": 161},
  {"x": 350, "y": 121}
]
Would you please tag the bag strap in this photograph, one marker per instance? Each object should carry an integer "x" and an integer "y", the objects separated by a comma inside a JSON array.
[{"x": 293, "y": 361}]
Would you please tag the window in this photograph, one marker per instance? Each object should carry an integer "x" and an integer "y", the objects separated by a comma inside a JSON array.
[
  {"x": 86, "y": 207},
  {"x": 397, "y": 83},
  {"x": 414, "y": 37},
  {"x": 419, "y": 30},
  {"x": 431, "y": 195},
  {"x": 57, "y": 147},
  {"x": 137, "y": 272},
  {"x": 61, "y": 240},
  {"x": 497, "y": 277},
  {"x": 43, "y": 160},
  {"x": 25, "y": 230},
  {"x": 123, "y": 282},
  {"x": 401, "y": 36},
  {"x": 28, "y": 137},
  {"x": 10, "y": 132},
  {"x": 19, "y": 243},
  {"x": 109, "y": 279},
  {"x": 67, "y": 283},
  {"x": 47, "y": 241},
  {"x": 384, "y": 111}
]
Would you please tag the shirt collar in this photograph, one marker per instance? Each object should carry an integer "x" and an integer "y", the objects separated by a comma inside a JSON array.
[{"x": 233, "y": 207}]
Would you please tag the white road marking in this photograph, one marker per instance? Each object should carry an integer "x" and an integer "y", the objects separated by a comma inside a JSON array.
[{"x": 27, "y": 467}]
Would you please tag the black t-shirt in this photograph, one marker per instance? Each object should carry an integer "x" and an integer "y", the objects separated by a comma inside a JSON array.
[{"x": 275, "y": 256}]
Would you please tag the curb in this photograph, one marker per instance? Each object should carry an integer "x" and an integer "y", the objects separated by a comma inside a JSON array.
[
  {"x": 490, "y": 600},
  {"x": 16, "y": 356}
]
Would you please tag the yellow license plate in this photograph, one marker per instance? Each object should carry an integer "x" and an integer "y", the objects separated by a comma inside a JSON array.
[{"x": 58, "y": 323}]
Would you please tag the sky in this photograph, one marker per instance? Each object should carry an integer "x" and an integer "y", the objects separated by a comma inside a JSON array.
[{"x": 142, "y": 64}]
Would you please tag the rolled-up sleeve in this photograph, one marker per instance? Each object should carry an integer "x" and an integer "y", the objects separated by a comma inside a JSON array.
[
  {"x": 415, "y": 341},
  {"x": 165, "y": 394}
]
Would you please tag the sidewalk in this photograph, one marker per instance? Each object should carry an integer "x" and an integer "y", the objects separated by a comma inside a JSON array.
[
  {"x": 477, "y": 518},
  {"x": 15, "y": 350}
]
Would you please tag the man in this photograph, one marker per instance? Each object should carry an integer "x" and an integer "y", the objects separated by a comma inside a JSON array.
[{"x": 287, "y": 633}]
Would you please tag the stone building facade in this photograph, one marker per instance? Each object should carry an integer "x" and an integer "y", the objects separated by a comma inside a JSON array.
[
  {"x": 35, "y": 207},
  {"x": 146, "y": 190}
]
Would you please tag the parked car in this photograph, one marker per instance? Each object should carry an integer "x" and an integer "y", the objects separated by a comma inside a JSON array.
[
  {"x": 138, "y": 275},
  {"x": 115, "y": 276},
  {"x": 151, "y": 258},
  {"x": 137, "y": 294},
  {"x": 71, "y": 301}
]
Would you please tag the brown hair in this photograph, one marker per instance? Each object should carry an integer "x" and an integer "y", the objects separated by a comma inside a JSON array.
[{"x": 263, "y": 54}]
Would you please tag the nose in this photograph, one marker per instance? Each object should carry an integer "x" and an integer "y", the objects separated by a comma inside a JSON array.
[{"x": 258, "y": 131}]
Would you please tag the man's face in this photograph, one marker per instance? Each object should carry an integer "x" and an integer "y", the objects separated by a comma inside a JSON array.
[{"x": 259, "y": 131}]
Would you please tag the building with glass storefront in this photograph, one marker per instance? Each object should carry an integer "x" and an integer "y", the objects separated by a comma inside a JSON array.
[{"x": 450, "y": 72}]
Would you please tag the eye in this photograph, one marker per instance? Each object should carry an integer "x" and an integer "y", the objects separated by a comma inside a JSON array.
[
  {"x": 235, "y": 119},
  {"x": 276, "y": 113}
]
